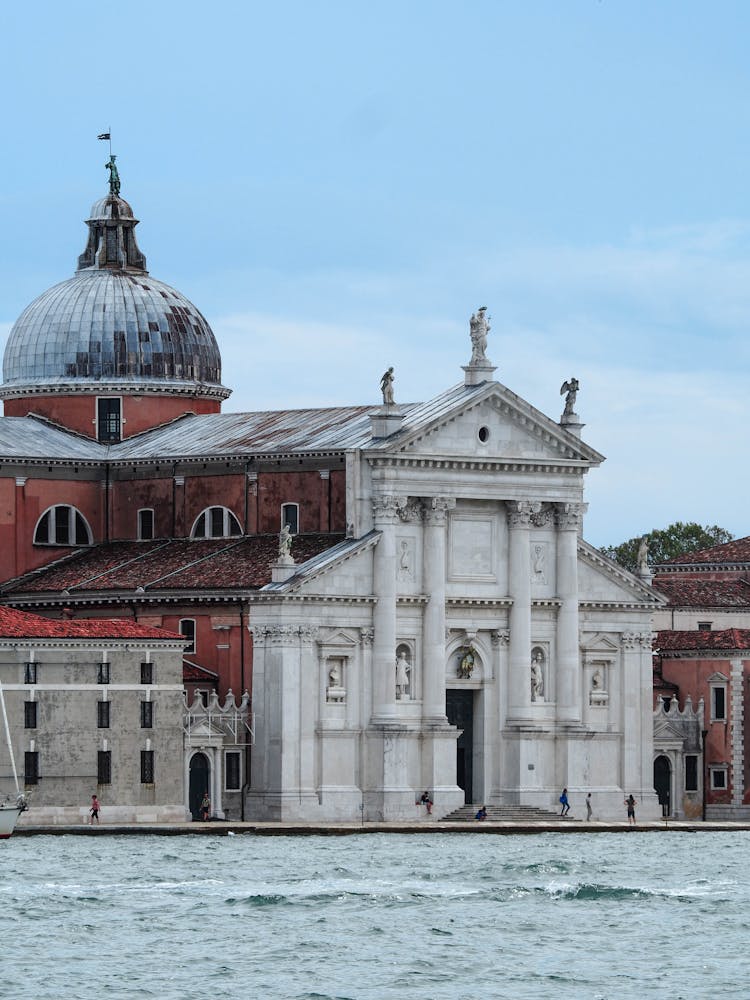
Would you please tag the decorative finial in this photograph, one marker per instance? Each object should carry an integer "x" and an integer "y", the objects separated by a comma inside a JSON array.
[{"x": 386, "y": 387}]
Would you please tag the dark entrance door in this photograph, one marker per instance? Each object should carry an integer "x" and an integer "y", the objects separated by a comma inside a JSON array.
[
  {"x": 199, "y": 783},
  {"x": 459, "y": 707},
  {"x": 663, "y": 784}
]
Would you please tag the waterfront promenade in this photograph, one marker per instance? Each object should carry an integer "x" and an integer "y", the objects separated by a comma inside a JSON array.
[{"x": 221, "y": 828}]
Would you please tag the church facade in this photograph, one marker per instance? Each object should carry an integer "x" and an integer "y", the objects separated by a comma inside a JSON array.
[{"x": 403, "y": 590}]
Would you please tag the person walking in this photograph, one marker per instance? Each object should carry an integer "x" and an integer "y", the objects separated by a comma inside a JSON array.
[
  {"x": 564, "y": 803},
  {"x": 589, "y": 808},
  {"x": 631, "y": 803},
  {"x": 94, "y": 810},
  {"x": 206, "y": 808}
]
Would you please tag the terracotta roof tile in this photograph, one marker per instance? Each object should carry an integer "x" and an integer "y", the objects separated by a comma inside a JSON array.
[
  {"x": 23, "y": 625},
  {"x": 674, "y": 641},
  {"x": 242, "y": 563},
  {"x": 697, "y": 593},
  {"x": 738, "y": 550}
]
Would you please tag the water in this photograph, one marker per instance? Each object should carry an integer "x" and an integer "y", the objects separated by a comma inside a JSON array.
[{"x": 586, "y": 916}]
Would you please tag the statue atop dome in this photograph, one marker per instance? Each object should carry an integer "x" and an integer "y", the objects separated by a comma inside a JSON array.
[{"x": 114, "y": 176}]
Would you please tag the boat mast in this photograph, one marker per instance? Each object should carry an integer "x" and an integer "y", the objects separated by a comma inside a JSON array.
[{"x": 7, "y": 738}]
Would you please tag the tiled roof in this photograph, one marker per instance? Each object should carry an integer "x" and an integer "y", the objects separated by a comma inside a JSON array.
[
  {"x": 729, "y": 638},
  {"x": 735, "y": 551},
  {"x": 247, "y": 434},
  {"x": 219, "y": 564},
  {"x": 697, "y": 593},
  {"x": 195, "y": 674},
  {"x": 22, "y": 625}
]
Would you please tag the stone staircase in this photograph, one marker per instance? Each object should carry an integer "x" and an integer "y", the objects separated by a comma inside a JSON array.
[{"x": 508, "y": 814}]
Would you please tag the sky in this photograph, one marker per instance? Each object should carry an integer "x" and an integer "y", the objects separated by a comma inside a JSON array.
[{"x": 339, "y": 185}]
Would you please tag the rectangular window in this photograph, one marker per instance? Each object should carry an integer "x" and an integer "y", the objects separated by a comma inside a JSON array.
[
  {"x": 102, "y": 673},
  {"x": 704, "y": 626},
  {"x": 147, "y": 767},
  {"x": 29, "y": 673},
  {"x": 232, "y": 770},
  {"x": 147, "y": 673},
  {"x": 145, "y": 525},
  {"x": 718, "y": 778},
  {"x": 102, "y": 714},
  {"x": 187, "y": 628},
  {"x": 108, "y": 419},
  {"x": 691, "y": 772},
  {"x": 147, "y": 715},
  {"x": 290, "y": 517},
  {"x": 718, "y": 703},
  {"x": 104, "y": 767},
  {"x": 31, "y": 767},
  {"x": 29, "y": 715}
]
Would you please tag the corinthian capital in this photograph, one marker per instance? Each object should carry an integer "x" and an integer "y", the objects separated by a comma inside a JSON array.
[
  {"x": 570, "y": 515},
  {"x": 436, "y": 509},
  {"x": 522, "y": 512},
  {"x": 387, "y": 508}
]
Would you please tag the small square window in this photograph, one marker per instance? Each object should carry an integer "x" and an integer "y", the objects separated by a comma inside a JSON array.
[
  {"x": 102, "y": 714},
  {"x": 29, "y": 673},
  {"x": 102, "y": 673},
  {"x": 704, "y": 626},
  {"x": 719, "y": 779},
  {"x": 29, "y": 715},
  {"x": 147, "y": 715},
  {"x": 147, "y": 767},
  {"x": 147, "y": 673}
]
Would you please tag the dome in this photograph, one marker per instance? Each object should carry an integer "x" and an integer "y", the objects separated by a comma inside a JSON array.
[
  {"x": 112, "y": 326},
  {"x": 107, "y": 325}
]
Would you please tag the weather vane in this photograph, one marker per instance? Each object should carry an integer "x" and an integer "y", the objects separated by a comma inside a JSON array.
[{"x": 114, "y": 176}]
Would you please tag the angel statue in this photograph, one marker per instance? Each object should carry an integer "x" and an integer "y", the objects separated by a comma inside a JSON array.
[{"x": 571, "y": 387}]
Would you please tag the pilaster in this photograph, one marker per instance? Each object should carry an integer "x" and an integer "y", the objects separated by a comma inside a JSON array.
[
  {"x": 569, "y": 517},
  {"x": 519, "y": 576}
]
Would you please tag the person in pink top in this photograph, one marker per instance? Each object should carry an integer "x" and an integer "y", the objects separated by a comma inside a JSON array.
[{"x": 94, "y": 810}]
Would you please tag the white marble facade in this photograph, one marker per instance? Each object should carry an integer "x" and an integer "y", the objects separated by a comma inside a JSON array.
[{"x": 465, "y": 572}]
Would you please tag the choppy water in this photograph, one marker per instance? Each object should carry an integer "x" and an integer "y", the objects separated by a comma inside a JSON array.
[{"x": 589, "y": 916}]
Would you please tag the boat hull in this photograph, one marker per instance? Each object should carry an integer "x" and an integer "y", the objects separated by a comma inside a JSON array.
[{"x": 8, "y": 819}]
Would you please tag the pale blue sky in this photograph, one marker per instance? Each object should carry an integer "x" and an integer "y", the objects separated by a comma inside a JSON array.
[{"x": 338, "y": 186}]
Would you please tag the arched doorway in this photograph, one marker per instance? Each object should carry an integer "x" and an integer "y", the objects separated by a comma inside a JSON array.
[
  {"x": 200, "y": 783},
  {"x": 663, "y": 783}
]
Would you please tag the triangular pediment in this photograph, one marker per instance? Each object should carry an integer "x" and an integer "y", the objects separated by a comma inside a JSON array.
[
  {"x": 665, "y": 731},
  {"x": 602, "y": 581},
  {"x": 339, "y": 638},
  {"x": 486, "y": 422},
  {"x": 600, "y": 644}
]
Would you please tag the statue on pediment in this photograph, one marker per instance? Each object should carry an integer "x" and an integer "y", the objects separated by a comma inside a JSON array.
[
  {"x": 479, "y": 327},
  {"x": 571, "y": 387},
  {"x": 386, "y": 387}
]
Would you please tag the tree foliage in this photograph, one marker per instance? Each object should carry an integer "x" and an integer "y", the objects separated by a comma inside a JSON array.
[{"x": 667, "y": 543}]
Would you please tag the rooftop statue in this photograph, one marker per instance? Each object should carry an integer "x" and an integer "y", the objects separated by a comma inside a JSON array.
[
  {"x": 386, "y": 387},
  {"x": 285, "y": 543},
  {"x": 642, "y": 557},
  {"x": 479, "y": 327},
  {"x": 571, "y": 387},
  {"x": 114, "y": 177}
]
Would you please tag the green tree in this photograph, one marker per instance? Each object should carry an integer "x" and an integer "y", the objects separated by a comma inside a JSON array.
[{"x": 667, "y": 543}]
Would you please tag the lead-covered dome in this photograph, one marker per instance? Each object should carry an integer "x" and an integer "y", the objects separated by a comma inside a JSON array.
[{"x": 112, "y": 326}]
